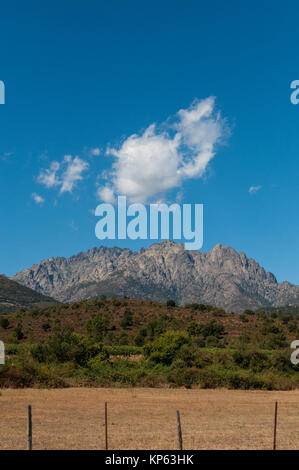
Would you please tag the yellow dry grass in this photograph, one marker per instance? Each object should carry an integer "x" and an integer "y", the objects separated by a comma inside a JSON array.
[{"x": 145, "y": 418}]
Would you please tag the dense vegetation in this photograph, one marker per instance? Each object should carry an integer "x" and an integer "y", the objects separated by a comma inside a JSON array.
[{"x": 127, "y": 342}]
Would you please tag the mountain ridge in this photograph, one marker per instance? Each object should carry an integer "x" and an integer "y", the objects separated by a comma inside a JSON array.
[
  {"x": 221, "y": 277},
  {"x": 14, "y": 296}
]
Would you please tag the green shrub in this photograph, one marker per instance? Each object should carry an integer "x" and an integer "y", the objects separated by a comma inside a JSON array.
[
  {"x": 249, "y": 312},
  {"x": 292, "y": 327},
  {"x": 212, "y": 341},
  {"x": 46, "y": 326},
  {"x": 187, "y": 354},
  {"x": 183, "y": 377},
  {"x": 268, "y": 329},
  {"x": 219, "y": 312},
  {"x": 164, "y": 349},
  {"x": 243, "y": 318},
  {"x": 12, "y": 349},
  {"x": 193, "y": 329},
  {"x": 262, "y": 315},
  {"x": 139, "y": 340},
  {"x": 18, "y": 333},
  {"x": 4, "y": 323},
  {"x": 212, "y": 329},
  {"x": 123, "y": 350},
  {"x": 286, "y": 318},
  {"x": 209, "y": 378},
  {"x": 251, "y": 359},
  {"x": 96, "y": 327},
  {"x": 276, "y": 341},
  {"x": 123, "y": 339},
  {"x": 127, "y": 320}
]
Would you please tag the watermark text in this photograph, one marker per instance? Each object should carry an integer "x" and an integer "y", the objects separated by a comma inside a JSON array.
[
  {"x": 157, "y": 221},
  {"x": 2, "y": 92},
  {"x": 2, "y": 353}
]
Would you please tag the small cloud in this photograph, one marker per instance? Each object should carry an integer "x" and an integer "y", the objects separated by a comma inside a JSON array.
[
  {"x": 254, "y": 189},
  {"x": 73, "y": 173},
  {"x": 49, "y": 177},
  {"x": 106, "y": 194},
  {"x": 38, "y": 199},
  {"x": 65, "y": 174},
  {"x": 95, "y": 152}
]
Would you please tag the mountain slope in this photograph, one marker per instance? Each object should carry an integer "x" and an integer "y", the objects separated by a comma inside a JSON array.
[
  {"x": 14, "y": 296},
  {"x": 165, "y": 270}
]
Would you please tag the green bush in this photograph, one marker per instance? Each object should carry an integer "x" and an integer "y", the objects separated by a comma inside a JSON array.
[
  {"x": 251, "y": 359},
  {"x": 243, "y": 318},
  {"x": 212, "y": 342},
  {"x": 164, "y": 349},
  {"x": 268, "y": 329},
  {"x": 127, "y": 320},
  {"x": 286, "y": 318},
  {"x": 184, "y": 377},
  {"x": 4, "y": 323},
  {"x": 12, "y": 349},
  {"x": 97, "y": 326},
  {"x": 46, "y": 326},
  {"x": 65, "y": 346},
  {"x": 18, "y": 333},
  {"x": 212, "y": 329},
  {"x": 123, "y": 350},
  {"x": 248, "y": 312},
  {"x": 276, "y": 341}
]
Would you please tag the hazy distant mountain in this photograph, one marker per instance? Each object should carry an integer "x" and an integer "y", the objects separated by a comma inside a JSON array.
[
  {"x": 14, "y": 296},
  {"x": 165, "y": 270}
]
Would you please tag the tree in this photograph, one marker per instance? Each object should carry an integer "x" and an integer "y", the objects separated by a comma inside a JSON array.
[
  {"x": 96, "y": 327},
  {"x": 164, "y": 349},
  {"x": 127, "y": 320}
]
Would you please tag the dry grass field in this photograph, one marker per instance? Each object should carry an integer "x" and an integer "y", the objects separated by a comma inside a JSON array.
[{"x": 145, "y": 418}]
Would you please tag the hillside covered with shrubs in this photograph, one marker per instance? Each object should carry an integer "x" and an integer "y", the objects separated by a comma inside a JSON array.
[{"x": 128, "y": 342}]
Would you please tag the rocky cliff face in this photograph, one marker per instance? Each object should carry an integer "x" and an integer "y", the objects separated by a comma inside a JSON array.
[{"x": 165, "y": 270}]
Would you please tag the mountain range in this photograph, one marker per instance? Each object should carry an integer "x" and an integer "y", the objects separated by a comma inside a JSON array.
[
  {"x": 14, "y": 296},
  {"x": 222, "y": 277}
]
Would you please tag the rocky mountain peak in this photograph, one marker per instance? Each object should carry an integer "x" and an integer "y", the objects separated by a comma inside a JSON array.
[{"x": 221, "y": 277}]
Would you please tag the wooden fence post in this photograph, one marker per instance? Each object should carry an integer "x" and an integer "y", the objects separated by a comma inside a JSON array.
[
  {"x": 179, "y": 430},
  {"x": 29, "y": 427},
  {"x": 106, "y": 426},
  {"x": 275, "y": 426}
]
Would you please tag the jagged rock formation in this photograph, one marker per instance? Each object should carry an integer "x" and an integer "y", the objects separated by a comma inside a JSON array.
[{"x": 221, "y": 277}]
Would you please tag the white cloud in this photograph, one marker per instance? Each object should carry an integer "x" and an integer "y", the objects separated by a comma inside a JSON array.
[
  {"x": 95, "y": 152},
  {"x": 148, "y": 165},
  {"x": 106, "y": 194},
  {"x": 254, "y": 189},
  {"x": 49, "y": 177},
  {"x": 38, "y": 199},
  {"x": 73, "y": 173},
  {"x": 65, "y": 174}
]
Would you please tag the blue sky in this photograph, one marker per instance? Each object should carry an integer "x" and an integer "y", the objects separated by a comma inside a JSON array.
[{"x": 83, "y": 77}]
